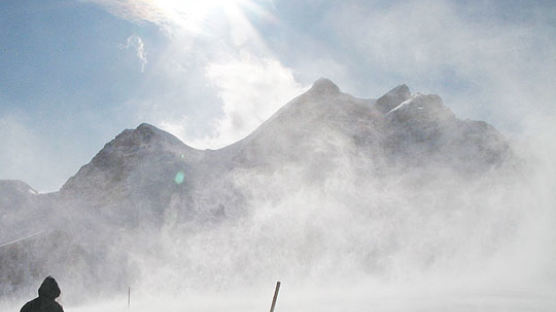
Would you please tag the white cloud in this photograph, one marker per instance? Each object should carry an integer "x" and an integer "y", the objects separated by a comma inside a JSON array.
[{"x": 136, "y": 43}]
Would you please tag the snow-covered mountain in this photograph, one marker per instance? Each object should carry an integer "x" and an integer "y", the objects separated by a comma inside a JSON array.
[
  {"x": 134, "y": 177},
  {"x": 137, "y": 176},
  {"x": 146, "y": 181},
  {"x": 398, "y": 130}
]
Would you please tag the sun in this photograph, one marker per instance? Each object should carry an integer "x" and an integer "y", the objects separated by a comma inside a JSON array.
[
  {"x": 192, "y": 14},
  {"x": 199, "y": 7}
]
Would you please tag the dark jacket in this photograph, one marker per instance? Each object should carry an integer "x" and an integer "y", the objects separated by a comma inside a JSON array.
[{"x": 46, "y": 302}]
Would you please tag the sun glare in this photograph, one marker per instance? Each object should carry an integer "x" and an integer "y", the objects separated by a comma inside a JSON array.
[{"x": 192, "y": 14}]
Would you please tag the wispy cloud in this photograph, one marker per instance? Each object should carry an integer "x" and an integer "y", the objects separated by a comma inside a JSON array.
[{"x": 136, "y": 43}]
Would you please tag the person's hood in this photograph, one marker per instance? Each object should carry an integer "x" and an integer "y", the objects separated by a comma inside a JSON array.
[{"x": 49, "y": 288}]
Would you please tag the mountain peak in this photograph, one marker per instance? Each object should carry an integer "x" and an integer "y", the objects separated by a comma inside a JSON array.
[
  {"x": 324, "y": 85},
  {"x": 147, "y": 131},
  {"x": 146, "y": 126},
  {"x": 144, "y": 135},
  {"x": 128, "y": 151},
  {"x": 393, "y": 98},
  {"x": 421, "y": 107}
]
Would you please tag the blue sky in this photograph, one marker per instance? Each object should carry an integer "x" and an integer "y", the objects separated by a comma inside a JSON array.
[{"x": 75, "y": 73}]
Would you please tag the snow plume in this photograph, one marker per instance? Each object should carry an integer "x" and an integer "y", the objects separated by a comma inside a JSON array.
[
  {"x": 324, "y": 208},
  {"x": 251, "y": 89},
  {"x": 425, "y": 239},
  {"x": 136, "y": 43},
  {"x": 311, "y": 199},
  {"x": 486, "y": 63}
]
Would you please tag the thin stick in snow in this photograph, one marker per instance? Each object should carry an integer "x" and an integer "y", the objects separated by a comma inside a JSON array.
[{"x": 275, "y": 296}]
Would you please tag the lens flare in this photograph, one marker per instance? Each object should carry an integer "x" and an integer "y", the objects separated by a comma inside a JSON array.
[{"x": 180, "y": 176}]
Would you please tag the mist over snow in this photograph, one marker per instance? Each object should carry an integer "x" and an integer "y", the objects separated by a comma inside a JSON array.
[{"x": 387, "y": 204}]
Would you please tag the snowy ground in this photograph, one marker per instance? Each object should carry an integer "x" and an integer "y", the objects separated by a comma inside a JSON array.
[{"x": 347, "y": 299}]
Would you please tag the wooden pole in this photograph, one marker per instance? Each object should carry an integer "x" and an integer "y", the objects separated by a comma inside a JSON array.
[
  {"x": 275, "y": 296},
  {"x": 128, "y": 297}
]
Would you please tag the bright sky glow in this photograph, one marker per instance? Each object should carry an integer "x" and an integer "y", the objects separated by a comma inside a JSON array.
[
  {"x": 196, "y": 17},
  {"x": 192, "y": 14}
]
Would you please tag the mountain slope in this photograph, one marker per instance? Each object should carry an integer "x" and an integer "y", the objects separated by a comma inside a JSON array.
[
  {"x": 148, "y": 175},
  {"x": 134, "y": 177},
  {"x": 325, "y": 156},
  {"x": 398, "y": 130}
]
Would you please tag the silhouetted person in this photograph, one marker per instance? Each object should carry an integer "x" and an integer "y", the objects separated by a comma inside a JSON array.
[{"x": 46, "y": 302}]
